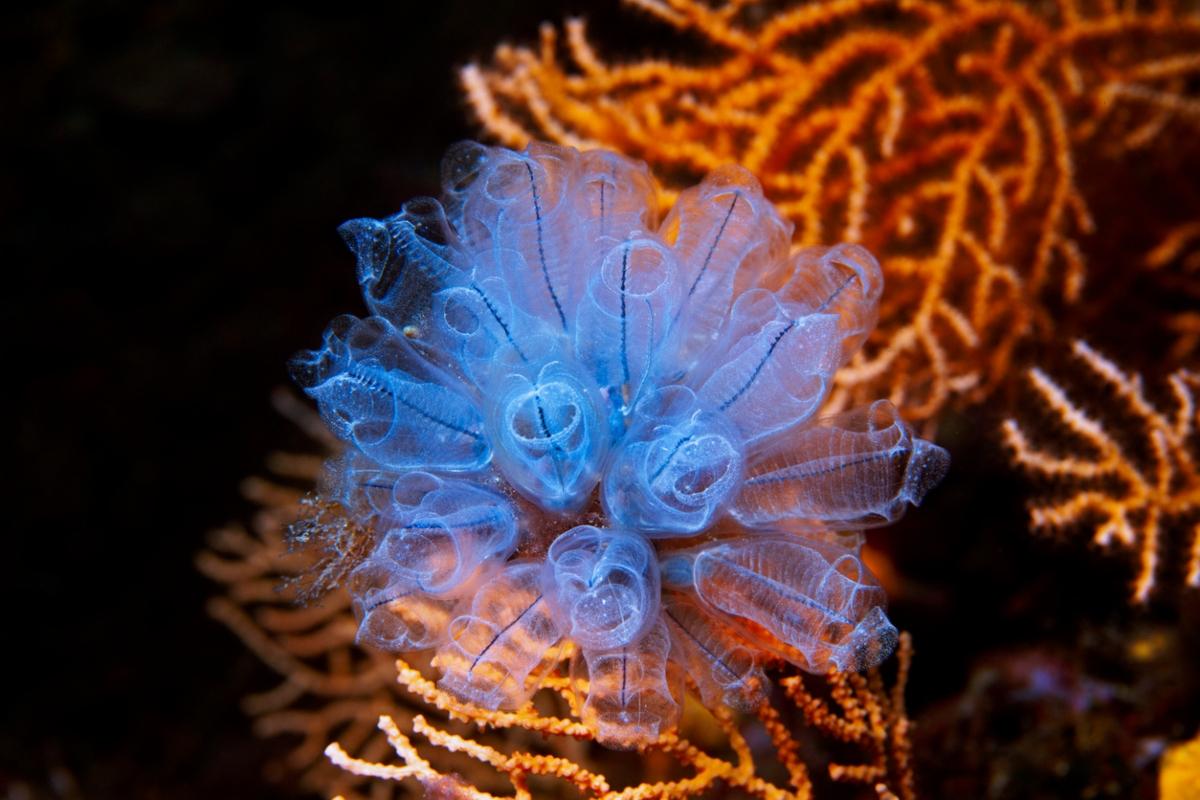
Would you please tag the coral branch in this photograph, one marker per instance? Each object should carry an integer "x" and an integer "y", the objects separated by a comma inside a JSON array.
[
  {"x": 1129, "y": 493},
  {"x": 867, "y": 715}
]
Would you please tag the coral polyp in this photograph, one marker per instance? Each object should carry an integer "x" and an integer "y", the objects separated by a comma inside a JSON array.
[{"x": 571, "y": 428}]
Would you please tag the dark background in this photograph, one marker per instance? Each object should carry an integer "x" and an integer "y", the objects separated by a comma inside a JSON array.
[{"x": 174, "y": 176}]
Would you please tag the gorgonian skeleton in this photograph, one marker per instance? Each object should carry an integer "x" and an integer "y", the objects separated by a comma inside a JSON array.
[{"x": 567, "y": 423}]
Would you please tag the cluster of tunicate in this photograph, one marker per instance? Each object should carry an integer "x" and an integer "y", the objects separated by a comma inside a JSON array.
[{"x": 542, "y": 351}]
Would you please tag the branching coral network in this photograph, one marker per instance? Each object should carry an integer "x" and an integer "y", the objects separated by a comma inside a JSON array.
[
  {"x": 860, "y": 711},
  {"x": 942, "y": 136},
  {"x": 1131, "y": 493}
]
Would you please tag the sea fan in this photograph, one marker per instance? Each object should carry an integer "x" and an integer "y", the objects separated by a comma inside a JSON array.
[{"x": 572, "y": 429}]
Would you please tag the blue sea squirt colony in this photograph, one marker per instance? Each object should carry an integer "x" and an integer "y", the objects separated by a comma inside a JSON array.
[{"x": 573, "y": 429}]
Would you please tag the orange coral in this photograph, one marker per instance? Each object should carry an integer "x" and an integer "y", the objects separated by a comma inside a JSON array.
[
  {"x": 866, "y": 715},
  {"x": 940, "y": 135},
  {"x": 1175, "y": 264},
  {"x": 1129, "y": 493}
]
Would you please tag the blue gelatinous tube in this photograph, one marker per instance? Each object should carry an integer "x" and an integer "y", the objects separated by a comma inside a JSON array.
[
  {"x": 817, "y": 599},
  {"x": 726, "y": 236},
  {"x": 845, "y": 281},
  {"x": 623, "y": 319},
  {"x": 404, "y": 258},
  {"x": 520, "y": 204},
  {"x": 603, "y": 585},
  {"x": 676, "y": 467},
  {"x": 631, "y": 699},
  {"x": 486, "y": 334},
  {"x": 777, "y": 367},
  {"x": 392, "y": 614},
  {"x": 550, "y": 436},
  {"x": 497, "y": 649},
  {"x": 724, "y": 665},
  {"x": 853, "y": 470},
  {"x": 439, "y": 538},
  {"x": 454, "y": 531},
  {"x": 378, "y": 394}
]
